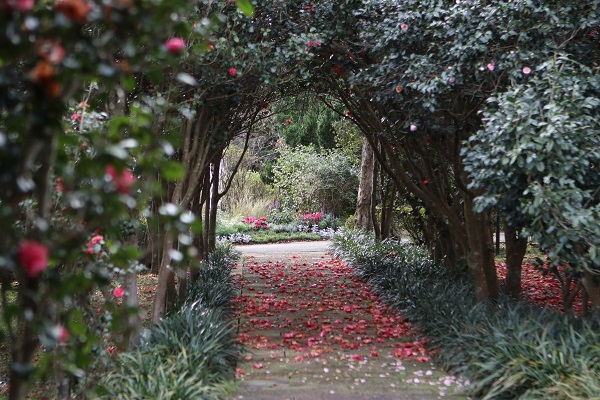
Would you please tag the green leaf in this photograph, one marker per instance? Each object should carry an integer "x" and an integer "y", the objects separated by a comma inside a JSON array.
[
  {"x": 173, "y": 170},
  {"x": 246, "y": 7}
]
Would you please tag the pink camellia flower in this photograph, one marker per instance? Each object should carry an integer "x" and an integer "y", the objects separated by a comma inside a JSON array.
[
  {"x": 317, "y": 43},
  {"x": 122, "y": 181},
  {"x": 526, "y": 70},
  {"x": 20, "y": 5},
  {"x": 175, "y": 45},
  {"x": 90, "y": 249},
  {"x": 413, "y": 127},
  {"x": 309, "y": 44},
  {"x": 404, "y": 27},
  {"x": 63, "y": 334},
  {"x": 232, "y": 72},
  {"x": 491, "y": 66},
  {"x": 96, "y": 239},
  {"x": 33, "y": 257},
  {"x": 119, "y": 292}
]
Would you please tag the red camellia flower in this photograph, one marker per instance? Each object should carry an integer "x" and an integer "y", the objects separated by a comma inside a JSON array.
[
  {"x": 33, "y": 257},
  {"x": 232, "y": 71},
  {"x": 42, "y": 72},
  {"x": 122, "y": 181},
  {"x": 119, "y": 292},
  {"x": 338, "y": 70},
  {"x": 74, "y": 10},
  {"x": 20, "y": 5},
  {"x": 175, "y": 45}
]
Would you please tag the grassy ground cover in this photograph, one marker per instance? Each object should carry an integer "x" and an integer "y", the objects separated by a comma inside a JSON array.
[{"x": 506, "y": 350}]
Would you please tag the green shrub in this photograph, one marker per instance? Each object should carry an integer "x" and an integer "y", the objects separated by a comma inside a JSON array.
[
  {"x": 193, "y": 352},
  {"x": 281, "y": 216},
  {"x": 507, "y": 350},
  {"x": 309, "y": 181}
]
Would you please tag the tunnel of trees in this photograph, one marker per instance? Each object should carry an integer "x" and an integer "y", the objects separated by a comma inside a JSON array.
[{"x": 469, "y": 110}]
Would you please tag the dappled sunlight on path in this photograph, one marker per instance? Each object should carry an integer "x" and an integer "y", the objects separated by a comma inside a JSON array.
[{"x": 314, "y": 331}]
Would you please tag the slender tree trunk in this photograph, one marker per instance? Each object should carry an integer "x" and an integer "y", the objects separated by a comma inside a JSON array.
[
  {"x": 132, "y": 301},
  {"x": 214, "y": 204},
  {"x": 166, "y": 283},
  {"x": 373, "y": 217},
  {"x": 516, "y": 246},
  {"x": 132, "y": 323},
  {"x": 363, "y": 216},
  {"x": 387, "y": 209},
  {"x": 25, "y": 343}
]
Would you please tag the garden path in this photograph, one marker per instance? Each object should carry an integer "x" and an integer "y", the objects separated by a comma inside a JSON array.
[{"x": 315, "y": 332}]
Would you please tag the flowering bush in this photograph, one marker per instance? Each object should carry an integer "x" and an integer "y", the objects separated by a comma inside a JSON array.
[
  {"x": 311, "y": 218},
  {"x": 256, "y": 223},
  {"x": 67, "y": 170}
]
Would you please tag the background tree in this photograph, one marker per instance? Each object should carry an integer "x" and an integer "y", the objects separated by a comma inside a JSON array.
[{"x": 535, "y": 160}]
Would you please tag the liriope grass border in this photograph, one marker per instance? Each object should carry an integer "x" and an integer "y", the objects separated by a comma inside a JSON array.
[{"x": 505, "y": 350}]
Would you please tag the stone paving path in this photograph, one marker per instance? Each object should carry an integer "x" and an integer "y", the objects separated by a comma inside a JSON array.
[{"x": 315, "y": 332}]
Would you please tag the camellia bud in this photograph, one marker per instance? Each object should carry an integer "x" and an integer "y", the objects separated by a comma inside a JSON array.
[{"x": 175, "y": 45}]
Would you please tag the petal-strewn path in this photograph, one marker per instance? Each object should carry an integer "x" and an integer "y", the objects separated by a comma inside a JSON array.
[{"x": 315, "y": 332}]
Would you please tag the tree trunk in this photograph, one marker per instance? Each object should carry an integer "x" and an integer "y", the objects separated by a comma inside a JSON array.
[
  {"x": 24, "y": 343},
  {"x": 373, "y": 217},
  {"x": 132, "y": 301},
  {"x": 480, "y": 257},
  {"x": 516, "y": 246},
  {"x": 166, "y": 283},
  {"x": 592, "y": 289},
  {"x": 388, "y": 199},
  {"x": 363, "y": 216},
  {"x": 214, "y": 204}
]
